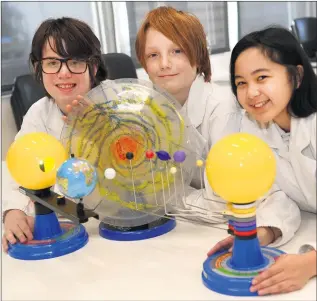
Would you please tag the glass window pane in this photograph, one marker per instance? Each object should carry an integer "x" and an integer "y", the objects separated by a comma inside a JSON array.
[
  {"x": 213, "y": 16},
  {"x": 251, "y": 14},
  {"x": 19, "y": 21}
]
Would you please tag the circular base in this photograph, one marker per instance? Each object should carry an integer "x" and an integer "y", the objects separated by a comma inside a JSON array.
[
  {"x": 73, "y": 238},
  {"x": 219, "y": 275},
  {"x": 157, "y": 228}
]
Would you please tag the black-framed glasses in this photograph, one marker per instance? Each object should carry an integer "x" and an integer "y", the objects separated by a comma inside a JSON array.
[{"x": 54, "y": 65}]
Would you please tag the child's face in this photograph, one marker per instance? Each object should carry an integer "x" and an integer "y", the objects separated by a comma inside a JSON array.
[
  {"x": 263, "y": 87},
  {"x": 64, "y": 86},
  {"x": 167, "y": 65}
]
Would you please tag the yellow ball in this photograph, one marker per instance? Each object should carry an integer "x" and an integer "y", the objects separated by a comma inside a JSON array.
[
  {"x": 173, "y": 170},
  {"x": 199, "y": 163},
  {"x": 33, "y": 160},
  {"x": 241, "y": 168}
]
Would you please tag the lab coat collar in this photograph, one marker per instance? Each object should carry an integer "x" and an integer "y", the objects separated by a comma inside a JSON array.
[
  {"x": 196, "y": 103},
  {"x": 54, "y": 121},
  {"x": 271, "y": 134},
  {"x": 300, "y": 133}
]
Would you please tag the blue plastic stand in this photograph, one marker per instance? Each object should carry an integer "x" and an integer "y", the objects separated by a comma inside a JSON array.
[
  {"x": 247, "y": 254},
  {"x": 131, "y": 235},
  {"x": 232, "y": 273},
  {"x": 50, "y": 239},
  {"x": 46, "y": 226}
]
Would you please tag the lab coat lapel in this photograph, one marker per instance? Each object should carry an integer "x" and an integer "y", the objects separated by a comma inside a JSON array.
[
  {"x": 196, "y": 102},
  {"x": 300, "y": 133},
  {"x": 270, "y": 134},
  {"x": 304, "y": 166},
  {"x": 54, "y": 122}
]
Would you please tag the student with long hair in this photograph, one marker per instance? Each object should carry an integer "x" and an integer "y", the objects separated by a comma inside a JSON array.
[{"x": 275, "y": 84}]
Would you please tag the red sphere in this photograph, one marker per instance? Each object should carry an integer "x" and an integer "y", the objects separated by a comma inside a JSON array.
[{"x": 149, "y": 154}]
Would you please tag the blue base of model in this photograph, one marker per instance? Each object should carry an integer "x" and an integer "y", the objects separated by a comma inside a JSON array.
[
  {"x": 51, "y": 239},
  {"x": 222, "y": 276},
  {"x": 46, "y": 226},
  {"x": 136, "y": 234}
]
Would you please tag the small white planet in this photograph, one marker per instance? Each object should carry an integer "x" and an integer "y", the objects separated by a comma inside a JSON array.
[
  {"x": 110, "y": 173},
  {"x": 173, "y": 170}
]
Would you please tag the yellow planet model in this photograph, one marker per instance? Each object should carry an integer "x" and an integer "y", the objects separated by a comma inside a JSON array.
[
  {"x": 241, "y": 168},
  {"x": 33, "y": 160}
]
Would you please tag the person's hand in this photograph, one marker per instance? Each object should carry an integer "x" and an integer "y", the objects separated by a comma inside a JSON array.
[
  {"x": 78, "y": 105},
  {"x": 225, "y": 244},
  {"x": 289, "y": 273},
  {"x": 17, "y": 226},
  {"x": 265, "y": 236}
]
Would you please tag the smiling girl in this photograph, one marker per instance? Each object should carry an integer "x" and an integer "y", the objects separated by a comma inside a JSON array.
[{"x": 275, "y": 84}]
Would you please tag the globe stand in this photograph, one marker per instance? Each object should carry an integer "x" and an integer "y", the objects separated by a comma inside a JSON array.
[
  {"x": 153, "y": 229},
  {"x": 50, "y": 238},
  {"x": 232, "y": 273}
]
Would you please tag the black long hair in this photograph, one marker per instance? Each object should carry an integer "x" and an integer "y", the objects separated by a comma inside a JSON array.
[{"x": 280, "y": 46}]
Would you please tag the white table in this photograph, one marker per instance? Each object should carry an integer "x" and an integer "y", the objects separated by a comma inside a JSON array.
[
  {"x": 167, "y": 267},
  {"x": 162, "y": 268}
]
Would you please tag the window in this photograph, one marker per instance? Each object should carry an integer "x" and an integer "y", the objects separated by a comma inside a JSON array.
[
  {"x": 251, "y": 14},
  {"x": 19, "y": 21},
  {"x": 114, "y": 23},
  {"x": 213, "y": 16}
]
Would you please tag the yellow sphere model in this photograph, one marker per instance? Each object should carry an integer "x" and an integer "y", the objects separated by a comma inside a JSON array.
[
  {"x": 241, "y": 168},
  {"x": 33, "y": 160}
]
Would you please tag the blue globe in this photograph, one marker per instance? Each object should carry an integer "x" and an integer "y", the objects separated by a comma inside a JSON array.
[{"x": 76, "y": 178}]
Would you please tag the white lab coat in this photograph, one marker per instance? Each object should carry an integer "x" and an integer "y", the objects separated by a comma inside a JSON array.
[
  {"x": 296, "y": 174},
  {"x": 295, "y": 184},
  {"x": 212, "y": 110},
  {"x": 43, "y": 116}
]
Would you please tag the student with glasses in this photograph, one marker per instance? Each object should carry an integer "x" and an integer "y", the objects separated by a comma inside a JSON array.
[
  {"x": 66, "y": 58},
  {"x": 51, "y": 65}
]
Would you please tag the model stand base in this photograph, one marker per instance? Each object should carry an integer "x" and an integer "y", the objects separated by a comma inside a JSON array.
[{"x": 157, "y": 228}]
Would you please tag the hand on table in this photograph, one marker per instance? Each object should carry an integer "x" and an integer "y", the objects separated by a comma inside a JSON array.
[
  {"x": 17, "y": 227},
  {"x": 289, "y": 273},
  {"x": 265, "y": 237}
]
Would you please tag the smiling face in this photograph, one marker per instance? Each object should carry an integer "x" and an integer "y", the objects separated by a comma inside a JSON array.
[
  {"x": 168, "y": 66},
  {"x": 263, "y": 87},
  {"x": 64, "y": 86}
]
